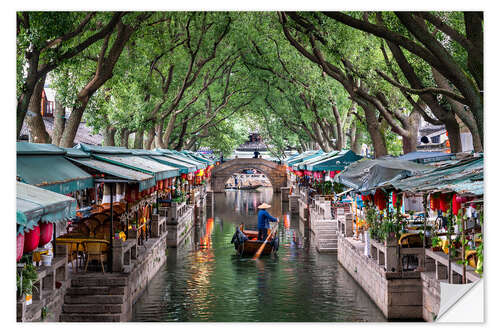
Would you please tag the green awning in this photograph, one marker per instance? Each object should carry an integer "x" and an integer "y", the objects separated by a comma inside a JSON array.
[
  {"x": 336, "y": 162},
  {"x": 296, "y": 162},
  {"x": 140, "y": 163},
  {"x": 182, "y": 166},
  {"x": 34, "y": 204},
  {"x": 198, "y": 157},
  {"x": 75, "y": 152},
  {"x": 145, "y": 180},
  {"x": 303, "y": 165},
  {"x": 183, "y": 158},
  {"x": 28, "y": 148},
  {"x": 103, "y": 149},
  {"x": 305, "y": 155},
  {"x": 52, "y": 172}
]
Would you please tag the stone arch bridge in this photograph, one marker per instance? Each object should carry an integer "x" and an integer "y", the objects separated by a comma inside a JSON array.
[{"x": 276, "y": 173}]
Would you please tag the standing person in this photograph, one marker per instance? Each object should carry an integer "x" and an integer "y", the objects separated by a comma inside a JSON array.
[{"x": 263, "y": 221}]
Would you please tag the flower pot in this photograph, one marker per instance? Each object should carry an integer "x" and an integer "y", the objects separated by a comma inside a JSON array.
[{"x": 46, "y": 259}]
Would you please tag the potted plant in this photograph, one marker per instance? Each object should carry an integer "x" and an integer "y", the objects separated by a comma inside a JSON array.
[
  {"x": 26, "y": 282},
  {"x": 436, "y": 244}
]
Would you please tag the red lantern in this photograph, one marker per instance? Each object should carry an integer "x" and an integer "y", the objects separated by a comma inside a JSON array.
[
  {"x": 45, "y": 233},
  {"x": 455, "y": 204},
  {"x": 184, "y": 176},
  {"x": 31, "y": 239},
  {"x": 434, "y": 202},
  {"x": 380, "y": 199},
  {"x": 20, "y": 247},
  {"x": 444, "y": 203}
]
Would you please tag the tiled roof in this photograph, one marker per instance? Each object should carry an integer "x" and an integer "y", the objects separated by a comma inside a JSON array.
[{"x": 83, "y": 135}]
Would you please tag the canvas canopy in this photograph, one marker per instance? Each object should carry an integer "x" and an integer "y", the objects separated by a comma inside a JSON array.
[
  {"x": 140, "y": 163},
  {"x": 145, "y": 180},
  {"x": 426, "y": 156},
  {"x": 304, "y": 156},
  {"x": 34, "y": 204},
  {"x": 182, "y": 158},
  {"x": 337, "y": 162},
  {"x": 365, "y": 175},
  {"x": 45, "y": 166},
  {"x": 182, "y": 166},
  {"x": 303, "y": 165},
  {"x": 464, "y": 177}
]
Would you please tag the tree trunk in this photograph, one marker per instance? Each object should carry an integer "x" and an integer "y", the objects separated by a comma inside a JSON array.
[
  {"x": 182, "y": 134},
  {"x": 25, "y": 97},
  {"x": 453, "y": 130},
  {"x": 138, "y": 140},
  {"x": 123, "y": 137},
  {"x": 149, "y": 138},
  {"x": 59, "y": 123},
  {"x": 103, "y": 73},
  {"x": 340, "y": 135},
  {"x": 35, "y": 121},
  {"x": 109, "y": 136},
  {"x": 373, "y": 127},
  {"x": 410, "y": 141},
  {"x": 158, "y": 137},
  {"x": 170, "y": 128}
]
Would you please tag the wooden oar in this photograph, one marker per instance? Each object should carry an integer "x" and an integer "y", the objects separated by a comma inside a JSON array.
[{"x": 261, "y": 248}]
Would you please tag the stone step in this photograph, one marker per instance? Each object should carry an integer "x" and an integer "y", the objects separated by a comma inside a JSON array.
[
  {"x": 93, "y": 299},
  {"x": 92, "y": 308},
  {"x": 99, "y": 282},
  {"x": 81, "y": 317},
  {"x": 82, "y": 291}
]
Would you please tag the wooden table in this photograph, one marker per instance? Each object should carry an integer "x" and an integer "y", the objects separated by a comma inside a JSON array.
[{"x": 79, "y": 241}]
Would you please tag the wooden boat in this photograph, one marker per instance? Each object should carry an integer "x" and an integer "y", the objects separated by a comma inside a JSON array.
[{"x": 246, "y": 243}]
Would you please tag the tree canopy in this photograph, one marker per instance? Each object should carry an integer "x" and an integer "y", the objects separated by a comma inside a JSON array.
[{"x": 184, "y": 80}]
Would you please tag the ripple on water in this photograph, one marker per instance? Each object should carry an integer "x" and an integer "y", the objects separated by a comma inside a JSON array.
[{"x": 212, "y": 283}]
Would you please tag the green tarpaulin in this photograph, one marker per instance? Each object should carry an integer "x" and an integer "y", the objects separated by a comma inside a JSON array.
[
  {"x": 145, "y": 180},
  {"x": 34, "y": 204},
  {"x": 183, "y": 158},
  {"x": 103, "y": 149},
  {"x": 337, "y": 162},
  {"x": 140, "y": 163},
  {"x": 305, "y": 155},
  {"x": 182, "y": 166},
  {"x": 365, "y": 175},
  {"x": 463, "y": 177},
  {"x": 303, "y": 165},
  {"x": 52, "y": 172}
]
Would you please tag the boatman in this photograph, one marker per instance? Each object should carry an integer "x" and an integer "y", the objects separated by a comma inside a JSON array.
[{"x": 263, "y": 220}]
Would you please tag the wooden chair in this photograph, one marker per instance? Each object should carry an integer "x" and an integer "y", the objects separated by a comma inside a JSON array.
[
  {"x": 83, "y": 229},
  {"x": 92, "y": 224},
  {"x": 72, "y": 253},
  {"x": 95, "y": 250}
]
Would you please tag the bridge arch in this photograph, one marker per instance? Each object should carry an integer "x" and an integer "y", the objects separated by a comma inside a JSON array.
[{"x": 276, "y": 173}]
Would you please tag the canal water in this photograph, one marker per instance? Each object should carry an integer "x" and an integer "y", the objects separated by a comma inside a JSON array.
[{"x": 205, "y": 280}]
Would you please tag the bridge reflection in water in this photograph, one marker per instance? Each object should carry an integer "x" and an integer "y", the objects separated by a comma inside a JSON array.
[{"x": 205, "y": 280}]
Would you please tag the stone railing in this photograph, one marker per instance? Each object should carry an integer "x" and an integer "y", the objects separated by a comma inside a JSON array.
[
  {"x": 123, "y": 254},
  {"x": 48, "y": 289},
  {"x": 393, "y": 258}
]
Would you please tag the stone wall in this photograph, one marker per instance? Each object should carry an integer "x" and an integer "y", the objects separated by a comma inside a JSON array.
[
  {"x": 179, "y": 228},
  {"x": 397, "y": 298},
  {"x": 146, "y": 267},
  {"x": 276, "y": 173},
  {"x": 431, "y": 296}
]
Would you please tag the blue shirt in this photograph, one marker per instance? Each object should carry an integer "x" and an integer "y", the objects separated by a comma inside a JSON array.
[{"x": 263, "y": 219}]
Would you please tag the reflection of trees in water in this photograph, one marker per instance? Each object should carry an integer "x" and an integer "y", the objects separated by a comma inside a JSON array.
[{"x": 245, "y": 203}]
